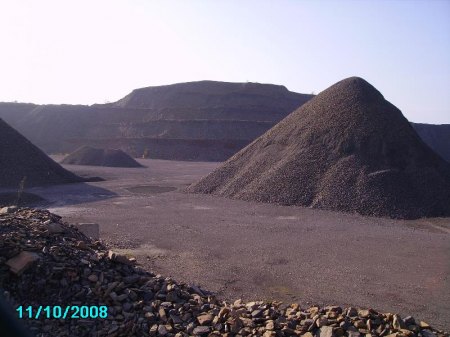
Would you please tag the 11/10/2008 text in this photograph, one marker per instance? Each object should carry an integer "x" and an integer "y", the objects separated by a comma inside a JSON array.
[{"x": 58, "y": 312}]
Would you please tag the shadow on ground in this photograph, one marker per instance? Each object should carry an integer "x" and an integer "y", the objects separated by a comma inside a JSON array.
[{"x": 57, "y": 195}]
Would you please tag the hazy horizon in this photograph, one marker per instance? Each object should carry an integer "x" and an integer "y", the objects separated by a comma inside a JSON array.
[{"x": 80, "y": 52}]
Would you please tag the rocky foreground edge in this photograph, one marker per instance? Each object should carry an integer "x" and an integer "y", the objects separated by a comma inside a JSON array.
[{"x": 45, "y": 261}]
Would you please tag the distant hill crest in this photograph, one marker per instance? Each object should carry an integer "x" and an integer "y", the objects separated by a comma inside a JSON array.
[
  {"x": 202, "y": 93},
  {"x": 203, "y": 120}
]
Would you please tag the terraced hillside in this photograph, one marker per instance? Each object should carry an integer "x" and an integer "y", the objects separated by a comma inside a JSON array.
[
  {"x": 188, "y": 121},
  {"x": 206, "y": 121}
]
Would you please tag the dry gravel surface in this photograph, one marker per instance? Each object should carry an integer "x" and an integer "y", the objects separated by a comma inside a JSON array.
[
  {"x": 45, "y": 261},
  {"x": 259, "y": 251}
]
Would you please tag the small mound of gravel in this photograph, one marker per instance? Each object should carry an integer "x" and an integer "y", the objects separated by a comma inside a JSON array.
[
  {"x": 64, "y": 267},
  {"x": 347, "y": 149},
  {"x": 87, "y": 155}
]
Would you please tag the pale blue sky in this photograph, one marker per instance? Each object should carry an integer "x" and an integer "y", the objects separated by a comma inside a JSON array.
[{"x": 94, "y": 51}]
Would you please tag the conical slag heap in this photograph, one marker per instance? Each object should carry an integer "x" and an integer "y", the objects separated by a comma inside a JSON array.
[
  {"x": 87, "y": 155},
  {"x": 347, "y": 149},
  {"x": 20, "y": 160}
]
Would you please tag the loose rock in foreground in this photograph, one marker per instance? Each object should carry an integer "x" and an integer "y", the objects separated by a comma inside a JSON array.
[{"x": 64, "y": 267}]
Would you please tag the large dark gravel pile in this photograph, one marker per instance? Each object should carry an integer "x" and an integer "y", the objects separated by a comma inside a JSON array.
[
  {"x": 87, "y": 155},
  {"x": 20, "y": 159},
  {"x": 347, "y": 149},
  {"x": 44, "y": 261}
]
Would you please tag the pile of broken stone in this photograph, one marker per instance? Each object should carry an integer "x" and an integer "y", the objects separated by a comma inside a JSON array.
[{"x": 45, "y": 261}]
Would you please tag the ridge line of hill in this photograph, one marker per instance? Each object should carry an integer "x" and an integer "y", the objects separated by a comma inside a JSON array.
[{"x": 179, "y": 109}]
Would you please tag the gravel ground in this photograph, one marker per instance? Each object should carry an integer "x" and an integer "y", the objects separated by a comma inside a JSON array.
[
  {"x": 45, "y": 261},
  {"x": 258, "y": 251}
]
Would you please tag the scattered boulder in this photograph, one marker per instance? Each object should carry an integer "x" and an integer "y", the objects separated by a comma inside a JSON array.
[
  {"x": 120, "y": 258},
  {"x": 205, "y": 319},
  {"x": 87, "y": 155},
  {"x": 19, "y": 263},
  {"x": 54, "y": 228},
  {"x": 347, "y": 149},
  {"x": 7, "y": 209},
  {"x": 91, "y": 230}
]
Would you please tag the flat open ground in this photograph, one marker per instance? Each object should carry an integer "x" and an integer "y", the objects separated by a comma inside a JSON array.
[{"x": 260, "y": 251}]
